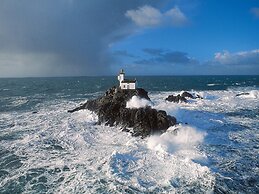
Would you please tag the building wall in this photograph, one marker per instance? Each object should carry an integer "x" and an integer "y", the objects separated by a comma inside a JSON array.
[
  {"x": 130, "y": 86},
  {"x": 121, "y": 77}
]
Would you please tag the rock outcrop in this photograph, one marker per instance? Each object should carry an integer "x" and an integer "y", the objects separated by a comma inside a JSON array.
[
  {"x": 187, "y": 95},
  {"x": 111, "y": 110},
  {"x": 182, "y": 97},
  {"x": 178, "y": 98},
  {"x": 243, "y": 94}
]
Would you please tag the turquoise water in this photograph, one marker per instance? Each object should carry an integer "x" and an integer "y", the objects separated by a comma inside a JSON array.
[{"x": 44, "y": 149}]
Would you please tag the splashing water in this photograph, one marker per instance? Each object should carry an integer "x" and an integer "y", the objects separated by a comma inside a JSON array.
[{"x": 137, "y": 102}]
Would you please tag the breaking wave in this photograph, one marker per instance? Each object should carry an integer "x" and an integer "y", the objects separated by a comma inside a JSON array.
[
  {"x": 180, "y": 138},
  {"x": 137, "y": 102}
]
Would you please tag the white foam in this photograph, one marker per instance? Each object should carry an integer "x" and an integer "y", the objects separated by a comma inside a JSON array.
[
  {"x": 18, "y": 101},
  {"x": 207, "y": 95},
  {"x": 252, "y": 94},
  {"x": 176, "y": 139},
  {"x": 136, "y": 102},
  {"x": 213, "y": 84},
  {"x": 97, "y": 156}
]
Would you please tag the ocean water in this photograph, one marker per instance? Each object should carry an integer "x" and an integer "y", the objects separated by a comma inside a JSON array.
[{"x": 44, "y": 149}]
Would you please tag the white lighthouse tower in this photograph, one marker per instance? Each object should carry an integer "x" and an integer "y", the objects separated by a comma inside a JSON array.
[
  {"x": 126, "y": 84},
  {"x": 121, "y": 76}
]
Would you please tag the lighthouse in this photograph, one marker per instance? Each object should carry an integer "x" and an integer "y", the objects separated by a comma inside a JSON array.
[{"x": 126, "y": 84}]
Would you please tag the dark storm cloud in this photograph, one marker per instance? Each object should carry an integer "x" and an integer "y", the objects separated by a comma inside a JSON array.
[
  {"x": 167, "y": 57},
  {"x": 61, "y": 37}
]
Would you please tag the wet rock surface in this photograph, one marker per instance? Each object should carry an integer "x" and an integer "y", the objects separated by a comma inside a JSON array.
[
  {"x": 243, "y": 94},
  {"x": 182, "y": 97},
  {"x": 111, "y": 110},
  {"x": 178, "y": 98}
]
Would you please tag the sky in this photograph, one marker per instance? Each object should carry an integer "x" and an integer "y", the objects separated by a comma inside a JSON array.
[{"x": 144, "y": 37}]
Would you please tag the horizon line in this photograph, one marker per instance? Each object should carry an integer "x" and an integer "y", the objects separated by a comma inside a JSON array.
[{"x": 127, "y": 75}]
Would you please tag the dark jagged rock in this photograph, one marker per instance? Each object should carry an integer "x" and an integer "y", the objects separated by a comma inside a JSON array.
[
  {"x": 243, "y": 94},
  {"x": 187, "y": 95},
  {"x": 182, "y": 97},
  {"x": 111, "y": 110},
  {"x": 178, "y": 98},
  {"x": 198, "y": 96}
]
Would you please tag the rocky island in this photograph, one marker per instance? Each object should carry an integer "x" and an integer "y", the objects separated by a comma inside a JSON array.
[{"x": 111, "y": 110}]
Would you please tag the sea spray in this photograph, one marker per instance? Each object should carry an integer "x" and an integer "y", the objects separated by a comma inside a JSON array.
[
  {"x": 137, "y": 102},
  {"x": 176, "y": 139}
]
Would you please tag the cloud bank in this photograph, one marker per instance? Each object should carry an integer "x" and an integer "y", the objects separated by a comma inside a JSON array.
[{"x": 243, "y": 58}]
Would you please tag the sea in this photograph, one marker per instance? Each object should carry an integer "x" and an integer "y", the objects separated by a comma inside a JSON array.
[{"x": 45, "y": 149}]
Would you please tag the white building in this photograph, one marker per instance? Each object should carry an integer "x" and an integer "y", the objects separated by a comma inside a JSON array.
[{"x": 126, "y": 84}]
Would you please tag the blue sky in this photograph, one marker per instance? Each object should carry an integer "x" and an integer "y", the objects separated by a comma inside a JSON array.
[
  {"x": 211, "y": 27},
  {"x": 145, "y": 37}
]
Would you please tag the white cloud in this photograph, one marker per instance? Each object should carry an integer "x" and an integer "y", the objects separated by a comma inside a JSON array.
[
  {"x": 238, "y": 58},
  {"x": 176, "y": 17},
  {"x": 255, "y": 11},
  {"x": 145, "y": 16},
  {"x": 148, "y": 16}
]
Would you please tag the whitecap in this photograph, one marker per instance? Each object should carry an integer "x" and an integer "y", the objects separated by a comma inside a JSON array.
[{"x": 213, "y": 84}]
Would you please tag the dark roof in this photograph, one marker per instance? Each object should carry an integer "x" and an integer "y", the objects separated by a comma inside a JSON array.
[{"x": 128, "y": 81}]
